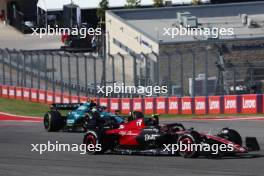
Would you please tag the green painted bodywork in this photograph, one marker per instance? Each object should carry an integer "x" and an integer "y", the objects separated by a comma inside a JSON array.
[{"x": 76, "y": 117}]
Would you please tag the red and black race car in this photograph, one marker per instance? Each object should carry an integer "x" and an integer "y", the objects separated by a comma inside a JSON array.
[{"x": 143, "y": 135}]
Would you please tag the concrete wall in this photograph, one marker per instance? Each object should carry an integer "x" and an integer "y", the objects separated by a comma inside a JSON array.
[{"x": 129, "y": 37}]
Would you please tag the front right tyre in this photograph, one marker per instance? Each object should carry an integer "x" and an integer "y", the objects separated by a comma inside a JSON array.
[
  {"x": 92, "y": 138},
  {"x": 189, "y": 140}
]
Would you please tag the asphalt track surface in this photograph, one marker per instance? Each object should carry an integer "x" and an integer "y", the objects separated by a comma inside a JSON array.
[{"x": 17, "y": 159}]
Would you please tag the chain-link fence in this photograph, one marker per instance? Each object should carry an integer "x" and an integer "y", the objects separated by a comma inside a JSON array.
[{"x": 188, "y": 73}]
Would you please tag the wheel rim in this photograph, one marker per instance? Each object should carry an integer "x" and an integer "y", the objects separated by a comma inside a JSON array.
[
  {"x": 186, "y": 141},
  {"x": 90, "y": 139}
]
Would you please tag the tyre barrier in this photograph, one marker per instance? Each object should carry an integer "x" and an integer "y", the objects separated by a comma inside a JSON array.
[{"x": 214, "y": 105}]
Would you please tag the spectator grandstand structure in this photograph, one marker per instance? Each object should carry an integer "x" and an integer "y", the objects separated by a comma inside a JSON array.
[{"x": 192, "y": 65}]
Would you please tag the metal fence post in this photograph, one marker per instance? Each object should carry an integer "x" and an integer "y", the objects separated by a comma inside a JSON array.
[
  {"x": 38, "y": 70},
  {"x": 61, "y": 76},
  {"x": 31, "y": 71},
  {"x": 169, "y": 72},
  {"x": 53, "y": 74},
  {"x": 134, "y": 69},
  {"x": 95, "y": 78},
  {"x": 193, "y": 72},
  {"x": 251, "y": 78},
  {"x": 123, "y": 68},
  {"x": 3, "y": 67},
  {"x": 169, "y": 69},
  {"x": 24, "y": 70},
  {"x": 156, "y": 68},
  {"x": 17, "y": 67},
  {"x": 181, "y": 72},
  {"x": 77, "y": 75},
  {"x": 46, "y": 71},
  {"x": 103, "y": 83},
  {"x": 113, "y": 68},
  {"x": 234, "y": 91},
  {"x": 69, "y": 74},
  {"x": 206, "y": 73},
  {"x": 146, "y": 68},
  {"x": 85, "y": 72},
  {"x": 10, "y": 67}
]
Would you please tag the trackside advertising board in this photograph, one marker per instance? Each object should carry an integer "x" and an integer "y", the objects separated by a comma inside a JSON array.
[
  {"x": 4, "y": 92},
  {"x": 34, "y": 95},
  {"x": 200, "y": 104},
  {"x": 187, "y": 105},
  {"x": 251, "y": 104},
  {"x": 149, "y": 107},
  {"x": 19, "y": 93},
  {"x": 58, "y": 98},
  {"x": 174, "y": 105},
  {"x": 126, "y": 105},
  {"x": 42, "y": 96},
  {"x": 66, "y": 99},
  {"x": 50, "y": 97},
  {"x": 114, "y": 104},
  {"x": 104, "y": 102},
  {"x": 26, "y": 93},
  {"x": 228, "y": 104},
  {"x": 215, "y": 104},
  {"x": 231, "y": 105},
  {"x": 137, "y": 104},
  {"x": 12, "y": 93},
  {"x": 161, "y": 105}
]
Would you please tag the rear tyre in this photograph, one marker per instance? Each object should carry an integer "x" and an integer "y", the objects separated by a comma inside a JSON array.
[
  {"x": 188, "y": 140},
  {"x": 53, "y": 121},
  {"x": 231, "y": 135}
]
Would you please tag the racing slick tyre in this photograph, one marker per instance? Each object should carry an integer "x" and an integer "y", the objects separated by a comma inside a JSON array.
[
  {"x": 231, "y": 135},
  {"x": 53, "y": 121},
  {"x": 93, "y": 143},
  {"x": 189, "y": 139}
]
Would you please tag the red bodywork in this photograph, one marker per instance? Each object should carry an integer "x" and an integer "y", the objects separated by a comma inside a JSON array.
[
  {"x": 128, "y": 132},
  {"x": 64, "y": 37}
]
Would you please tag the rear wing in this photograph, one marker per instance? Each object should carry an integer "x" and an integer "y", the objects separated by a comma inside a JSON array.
[{"x": 65, "y": 106}]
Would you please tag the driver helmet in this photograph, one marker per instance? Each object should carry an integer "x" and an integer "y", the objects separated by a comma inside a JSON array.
[{"x": 94, "y": 109}]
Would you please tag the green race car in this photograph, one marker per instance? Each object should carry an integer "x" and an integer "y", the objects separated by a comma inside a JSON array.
[{"x": 75, "y": 119}]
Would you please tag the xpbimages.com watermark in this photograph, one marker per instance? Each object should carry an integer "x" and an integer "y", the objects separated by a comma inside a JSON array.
[
  {"x": 83, "y": 32},
  {"x": 213, "y": 32},
  {"x": 202, "y": 147},
  {"x": 117, "y": 89},
  {"x": 82, "y": 149}
]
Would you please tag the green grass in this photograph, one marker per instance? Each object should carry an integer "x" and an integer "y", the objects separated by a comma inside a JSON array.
[{"x": 24, "y": 108}]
